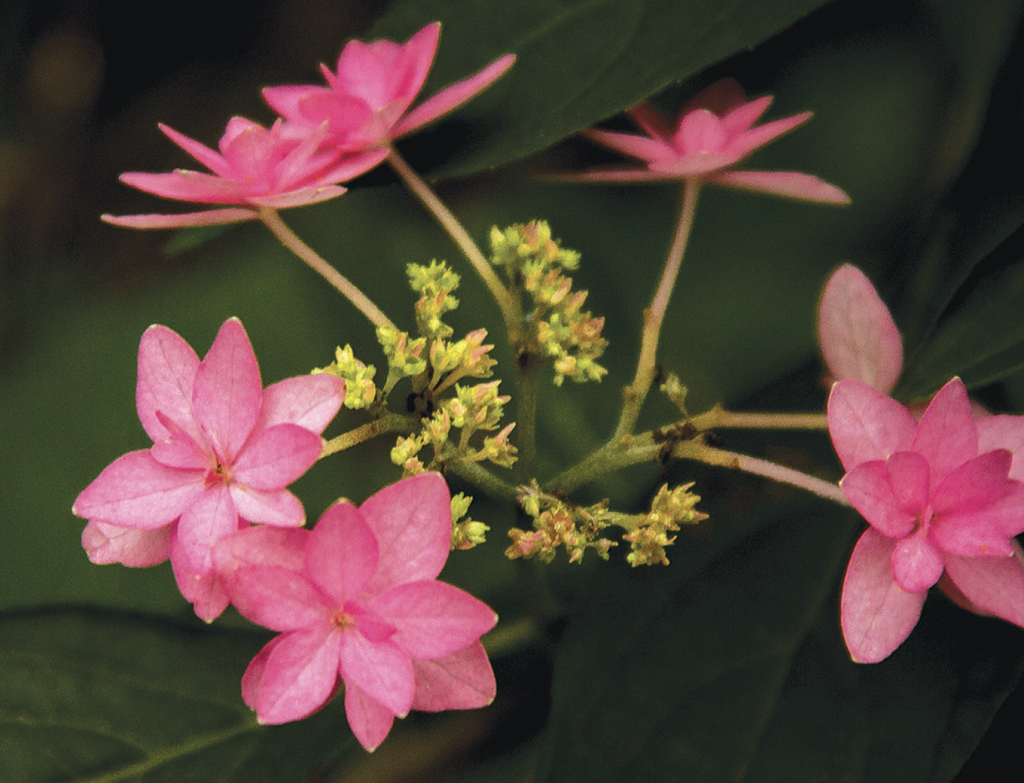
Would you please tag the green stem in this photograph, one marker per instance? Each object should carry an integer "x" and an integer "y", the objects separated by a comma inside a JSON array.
[
  {"x": 526, "y": 419},
  {"x": 635, "y": 393},
  {"x": 718, "y": 418},
  {"x": 389, "y": 422},
  {"x": 290, "y": 240},
  {"x": 481, "y": 477},
  {"x": 509, "y": 308}
]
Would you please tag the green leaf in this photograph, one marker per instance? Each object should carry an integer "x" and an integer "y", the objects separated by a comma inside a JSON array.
[
  {"x": 578, "y": 61},
  {"x": 982, "y": 338},
  {"x": 736, "y": 671},
  {"x": 94, "y": 696}
]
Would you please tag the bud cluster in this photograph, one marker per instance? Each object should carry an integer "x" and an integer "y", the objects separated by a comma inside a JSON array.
[
  {"x": 558, "y": 327},
  {"x": 558, "y": 522},
  {"x": 669, "y": 510},
  {"x": 360, "y": 390},
  {"x": 466, "y": 532}
]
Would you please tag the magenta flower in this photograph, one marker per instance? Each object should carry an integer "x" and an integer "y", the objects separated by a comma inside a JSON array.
[
  {"x": 856, "y": 332},
  {"x": 255, "y": 167},
  {"x": 715, "y": 131},
  {"x": 360, "y": 603},
  {"x": 224, "y": 449},
  {"x": 366, "y": 103},
  {"x": 942, "y": 503}
]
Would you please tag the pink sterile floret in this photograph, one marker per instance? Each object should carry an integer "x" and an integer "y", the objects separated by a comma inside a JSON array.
[
  {"x": 357, "y": 600},
  {"x": 366, "y": 103},
  {"x": 224, "y": 449},
  {"x": 856, "y": 332},
  {"x": 714, "y": 131},
  {"x": 941, "y": 504},
  {"x": 254, "y": 168}
]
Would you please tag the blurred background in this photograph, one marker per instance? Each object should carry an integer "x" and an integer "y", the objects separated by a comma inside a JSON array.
[{"x": 919, "y": 114}]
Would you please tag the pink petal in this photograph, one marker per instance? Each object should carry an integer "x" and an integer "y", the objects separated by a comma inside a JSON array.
[
  {"x": 751, "y": 139},
  {"x": 253, "y": 675},
  {"x": 299, "y": 676},
  {"x": 342, "y": 553},
  {"x": 167, "y": 369},
  {"x": 256, "y": 546},
  {"x": 179, "y": 449},
  {"x": 309, "y": 401},
  {"x": 279, "y": 598},
  {"x": 138, "y": 492},
  {"x": 135, "y": 548},
  {"x": 1003, "y": 432},
  {"x": 909, "y": 476},
  {"x": 700, "y": 163},
  {"x": 1005, "y": 514},
  {"x": 382, "y": 670},
  {"x": 450, "y": 98},
  {"x": 211, "y": 217},
  {"x": 463, "y": 680},
  {"x": 209, "y": 518},
  {"x": 353, "y": 164},
  {"x": 369, "y": 720},
  {"x": 185, "y": 185},
  {"x": 870, "y": 491},
  {"x": 857, "y": 335},
  {"x": 877, "y": 616},
  {"x": 792, "y": 184},
  {"x": 381, "y": 72},
  {"x": 699, "y": 131},
  {"x": 212, "y": 160},
  {"x": 739, "y": 120},
  {"x": 866, "y": 425},
  {"x": 411, "y": 520},
  {"x": 916, "y": 563},
  {"x": 277, "y": 456},
  {"x": 947, "y": 435},
  {"x": 279, "y": 508},
  {"x": 633, "y": 145},
  {"x": 314, "y": 194},
  {"x": 994, "y": 584},
  {"x": 197, "y": 580},
  {"x": 433, "y": 619},
  {"x": 722, "y": 97},
  {"x": 653, "y": 122},
  {"x": 227, "y": 392},
  {"x": 975, "y": 484}
]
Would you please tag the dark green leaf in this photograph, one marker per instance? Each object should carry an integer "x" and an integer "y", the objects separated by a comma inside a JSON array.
[
  {"x": 94, "y": 696},
  {"x": 737, "y": 672},
  {"x": 578, "y": 61}
]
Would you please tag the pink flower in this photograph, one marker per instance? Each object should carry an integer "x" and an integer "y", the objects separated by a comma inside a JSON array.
[
  {"x": 856, "y": 332},
  {"x": 357, "y": 599},
  {"x": 366, "y": 103},
  {"x": 715, "y": 130},
  {"x": 224, "y": 449},
  {"x": 942, "y": 503},
  {"x": 255, "y": 168}
]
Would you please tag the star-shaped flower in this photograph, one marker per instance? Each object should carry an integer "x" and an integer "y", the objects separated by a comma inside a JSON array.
[
  {"x": 255, "y": 167},
  {"x": 224, "y": 449},
  {"x": 357, "y": 599},
  {"x": 714, "y": 131},
  {"x": 942, "y": 503},
  {"x": 366, "y": 103}
]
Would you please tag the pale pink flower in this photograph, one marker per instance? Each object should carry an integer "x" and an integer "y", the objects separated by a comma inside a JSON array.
[
  {"x": 941, "y": 503},
  {"x": 366, "y": 103},
  {"x": 254, "y": 168},
  {"x": 224, "y": 449},
  {"x": 856, "y": 332},
  {"x": 357, "y": 600},
  {"x": 714, "y": 131}
]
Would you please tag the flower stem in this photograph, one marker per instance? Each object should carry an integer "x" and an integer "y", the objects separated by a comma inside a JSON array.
[
  {"x": 389, "y": 422},
  {"x": 526, "y": 419},
  {"x": 290, "y": 240},
  {"x": 635, "y": 393},
  {"x": 718, "y": 418},
  {"x": 443, "y": 215},
  {"x": 771, "y": 470},
  {"x": 481, "y": 477}
]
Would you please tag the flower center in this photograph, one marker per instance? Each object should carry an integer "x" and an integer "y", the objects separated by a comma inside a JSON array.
[
  {"x": 219, "y": 474},
  {"x": 343, "y": 620}
]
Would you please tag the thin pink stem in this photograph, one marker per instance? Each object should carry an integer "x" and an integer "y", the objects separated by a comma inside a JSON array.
[
  {"x": 771, "y": 470},
  {"x": 290, "y": 240},
  {"x": 654, "y": 315}
]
